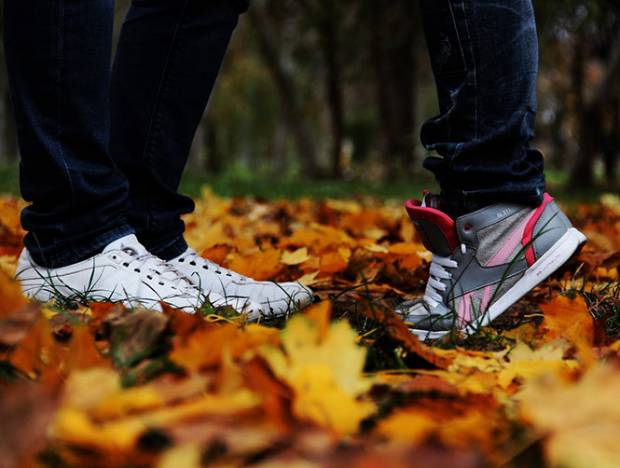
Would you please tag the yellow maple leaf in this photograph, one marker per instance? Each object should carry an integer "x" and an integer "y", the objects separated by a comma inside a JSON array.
[
  {"x": 581, "y": 421},
  {"x": 297, "y": 257},
  {"x": 526, "y": 364},
  {"x": 325, "y": 374}
]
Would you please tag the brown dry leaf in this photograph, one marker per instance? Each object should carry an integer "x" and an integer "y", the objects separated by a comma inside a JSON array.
[
  {"x": 206, "y": 347},
  {"x": 26, "y": 409},
  {"x": 464, "y": 423},
  {"x": 14, "y": 327},
  {"x": 217, "y": 253},
  {"x": 570, "y": 320},
  {"x": 12, "y": 297},
  {"x": 135, "y": 335},
  {"x": 335, "y": 262},
  {"x": 83, "y": 353},
  {"x": 33, "y": 352},
  {"x": 263, "y": 265}
]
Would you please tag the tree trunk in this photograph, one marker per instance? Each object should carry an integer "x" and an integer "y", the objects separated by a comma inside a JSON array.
[
  {"x": 328, "y": 23},
  {"x": 213, "y": 161},
  {"x": 289, "y": 100},
  {"x": 610, "y": 155},
  {"x": 393, "y": 56},
  {"x": 591, "y": 112},
  {"x": 582, "y": 173}
]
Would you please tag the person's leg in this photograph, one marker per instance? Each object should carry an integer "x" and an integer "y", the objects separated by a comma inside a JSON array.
[
  {"x": 485, "y": 60},
  {"x": 58, "y": 56},
  {"x": 168, "y": 58},
  {"x": 169, "y": 55},
  {"x": 494, "y": 234}
]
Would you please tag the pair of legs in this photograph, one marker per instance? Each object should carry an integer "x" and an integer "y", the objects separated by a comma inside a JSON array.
[
  {"x": 103, "y": 152},
  {"x": 103, "y": 149}
]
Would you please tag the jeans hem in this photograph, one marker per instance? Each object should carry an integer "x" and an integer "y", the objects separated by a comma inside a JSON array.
[
  {"x": 171, "y": 251},
  {"x": 63, "y": 255},
  {"x": 458, "y": 203}
]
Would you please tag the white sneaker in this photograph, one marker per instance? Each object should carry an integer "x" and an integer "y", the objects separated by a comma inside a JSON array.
[
  {"x": 124, "y": 272},
  {"x": 274, "y": 299}
]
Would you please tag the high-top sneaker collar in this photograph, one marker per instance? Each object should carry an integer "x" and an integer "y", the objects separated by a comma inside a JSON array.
[{"x": 437, "y": 229}]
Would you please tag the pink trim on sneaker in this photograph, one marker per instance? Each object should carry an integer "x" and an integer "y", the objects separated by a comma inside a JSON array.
[
  {"x": 464, "y": 311},
  {"x": 528, "y": 234},
  {"x": 446, "y": 225},
  {"x": 508, "y": 247},
  {"x": 486, "y": 298}
]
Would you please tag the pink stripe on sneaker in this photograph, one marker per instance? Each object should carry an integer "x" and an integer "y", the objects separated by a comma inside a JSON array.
[
  {"x": 528, "y": 234},
  {"x": 486, "y": 298},
  {"x": 464, "y": 311},
  {"x": 510, "y": 245}
]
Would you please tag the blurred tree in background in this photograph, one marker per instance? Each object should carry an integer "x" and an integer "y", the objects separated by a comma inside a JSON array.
[{"x": 338, "y": 89}]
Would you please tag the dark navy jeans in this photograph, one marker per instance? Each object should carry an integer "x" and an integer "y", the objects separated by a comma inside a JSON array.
[
  {"x": 98, "y": 165},
  {"x": 485, "y": 60}
]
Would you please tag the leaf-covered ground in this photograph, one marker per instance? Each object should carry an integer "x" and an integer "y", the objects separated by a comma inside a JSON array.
[{"x": 343, "y": 383}]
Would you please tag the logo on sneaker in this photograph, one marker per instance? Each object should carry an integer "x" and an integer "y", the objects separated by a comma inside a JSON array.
[{"x": 504, "y": 213}]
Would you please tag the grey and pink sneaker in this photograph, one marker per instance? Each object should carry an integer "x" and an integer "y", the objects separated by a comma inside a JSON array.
[{"x": 485, "y": 261}]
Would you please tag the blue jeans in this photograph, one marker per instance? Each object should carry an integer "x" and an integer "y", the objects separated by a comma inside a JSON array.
[
  {"x": 485, "y": 61},
  {"x": 98, "y": 165}
]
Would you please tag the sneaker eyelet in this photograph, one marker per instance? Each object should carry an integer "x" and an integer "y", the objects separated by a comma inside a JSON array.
[
  {"x": 205, "y": 267},
  {"x": 192, "y": 263},
  {"x": 181, "y": 260},
  {"x": 218, "y": 272},
  {"x": 137, "y": 270},
  {"x": 149, "y": 277},
  {"x": 126, "y": 265}
]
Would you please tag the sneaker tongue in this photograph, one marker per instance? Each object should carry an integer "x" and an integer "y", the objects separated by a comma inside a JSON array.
[
  {"x": 128, "y": 244},
  {"x": 437, "y": 229}
]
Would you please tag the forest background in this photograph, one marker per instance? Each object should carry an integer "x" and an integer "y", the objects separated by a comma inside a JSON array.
[{"x": 336, "y": 91}]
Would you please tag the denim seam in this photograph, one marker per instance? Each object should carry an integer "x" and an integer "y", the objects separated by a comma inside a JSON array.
[
  {"x": 458, "y": 39},
  {"x": 474, "y": 71},
  {"x": 59, "y": 72},
  {"x": 155, "y": 124}
]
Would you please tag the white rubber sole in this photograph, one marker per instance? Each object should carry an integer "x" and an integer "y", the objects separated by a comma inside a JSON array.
[{"x": 546, "y": 265}]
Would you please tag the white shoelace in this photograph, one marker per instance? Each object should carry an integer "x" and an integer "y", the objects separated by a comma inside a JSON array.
[
  {"x": 150, "y": 263},
  {"x": 192, "y": 258},
  {"x": 439, "y": 271}
]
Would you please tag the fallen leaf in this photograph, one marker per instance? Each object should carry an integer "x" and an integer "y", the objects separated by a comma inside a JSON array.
[{"x": 297, "y": 257}]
